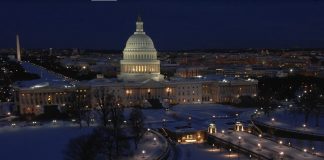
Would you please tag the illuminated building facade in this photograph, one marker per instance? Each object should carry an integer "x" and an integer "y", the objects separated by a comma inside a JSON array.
[{"x": 139, "y": 81}]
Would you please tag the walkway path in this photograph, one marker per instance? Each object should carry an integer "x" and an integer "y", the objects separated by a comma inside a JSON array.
[{"x": 153, "y": 150}]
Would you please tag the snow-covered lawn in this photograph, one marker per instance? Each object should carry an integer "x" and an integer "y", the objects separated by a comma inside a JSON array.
[
  {"x": 37, "y": 143},
  {"x": 201, "y": 114},
  {"x": 48, "y": 141},
  {"x": 293, "y": 121}
]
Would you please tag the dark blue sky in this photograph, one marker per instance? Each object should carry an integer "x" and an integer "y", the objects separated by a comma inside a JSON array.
[{"x": 172, "y": 24}]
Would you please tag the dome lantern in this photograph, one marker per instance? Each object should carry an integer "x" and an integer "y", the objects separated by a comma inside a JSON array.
[{"x": 139, "y": 26}]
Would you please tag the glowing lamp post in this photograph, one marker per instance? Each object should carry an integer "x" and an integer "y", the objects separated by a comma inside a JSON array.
[
  {"x": 273, "y": 120},
  {"x": 148, "y": 130},
  {"x": 223, "y": 132},
  {"x": 280, "y": 142},
  {"x": 154, "y": 139},
  {"x": 259, "y": 147},
  {"x": 163, "y": 122},
  {"x": 229, "y": 155},
  {"x": 305, "y": 151},
  {"x": 281, "y": 154},
  {"x": 304, "y": 126},
  {"x": 143, "y": 154}
]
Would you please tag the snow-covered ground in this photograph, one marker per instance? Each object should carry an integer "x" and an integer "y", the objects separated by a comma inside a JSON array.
[
  {"x": 201, "y": 114},
  {"x": 293, "y": 121},
  {"x": 48, "y": 141},
  {"x": 205, "y": 152},
  {"x": 316, "y": 147},
  {"x": 46, "y": 77},
  {"x": 37, "y": 142},
  {"x": 149, "y": 148}
]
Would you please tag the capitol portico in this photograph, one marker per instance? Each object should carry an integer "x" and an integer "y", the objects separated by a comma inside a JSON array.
[{"x": 139, "y": 81}]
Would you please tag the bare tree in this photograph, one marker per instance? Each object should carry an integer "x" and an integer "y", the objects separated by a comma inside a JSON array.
[
  {"x": 136, "y": 119},
  {"x": 111, "y": 111},
  {"x": 78, "y": 102},
  {"x": 266, "y": 103},
  {"x": 308, "y": 102},
  {"x": 117, "y": 119},
  {"x": 87, "y": 115},
  {"x": 104, "y": 103}
]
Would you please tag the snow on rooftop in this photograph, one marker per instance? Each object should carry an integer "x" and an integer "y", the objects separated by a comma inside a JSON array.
[{"x": 47, "y": 78}]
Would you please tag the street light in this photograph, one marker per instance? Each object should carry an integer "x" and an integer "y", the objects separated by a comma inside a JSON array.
[
  {"x": 154, "y": 140},
  {"x": 229, "y": 155},
  {"x": 143, "y": 153},
  {"x": 189, "y": 120},
  {"x": 239, "y": 139},
  {"x": 164, "y": 124},
  {"x": 281, "y": 155},
  {"x": 280, "y": 142},
  {"x": 223, "y": 133},
  {"x": 304, "y": 126},
  {"x": 313, "y": 150},
  {"x": 305, "y": 151},
  {"x": 259, "y": 147}
]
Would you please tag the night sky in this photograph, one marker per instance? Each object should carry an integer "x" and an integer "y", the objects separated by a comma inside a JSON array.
[{"x": 172, "y": 24}]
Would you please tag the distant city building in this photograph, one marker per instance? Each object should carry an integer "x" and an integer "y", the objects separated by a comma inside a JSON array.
[
  {"x": 190, "y": 72},
  {"x": 138, "y": 82}
]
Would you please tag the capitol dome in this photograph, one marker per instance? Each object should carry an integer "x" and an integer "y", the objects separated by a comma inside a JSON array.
[
  {"x": 140, "y": 57},
  {"x": 139, "y": 42}
]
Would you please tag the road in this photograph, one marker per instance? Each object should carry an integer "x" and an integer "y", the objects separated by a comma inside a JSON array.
[{"x": 267, "y": 148}]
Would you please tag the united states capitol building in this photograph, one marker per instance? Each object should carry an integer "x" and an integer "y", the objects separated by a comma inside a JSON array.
[{"x": 139, "y": 81}]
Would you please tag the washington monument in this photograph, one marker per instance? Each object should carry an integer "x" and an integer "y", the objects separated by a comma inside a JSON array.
[{"x": 18, "y": 48}]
